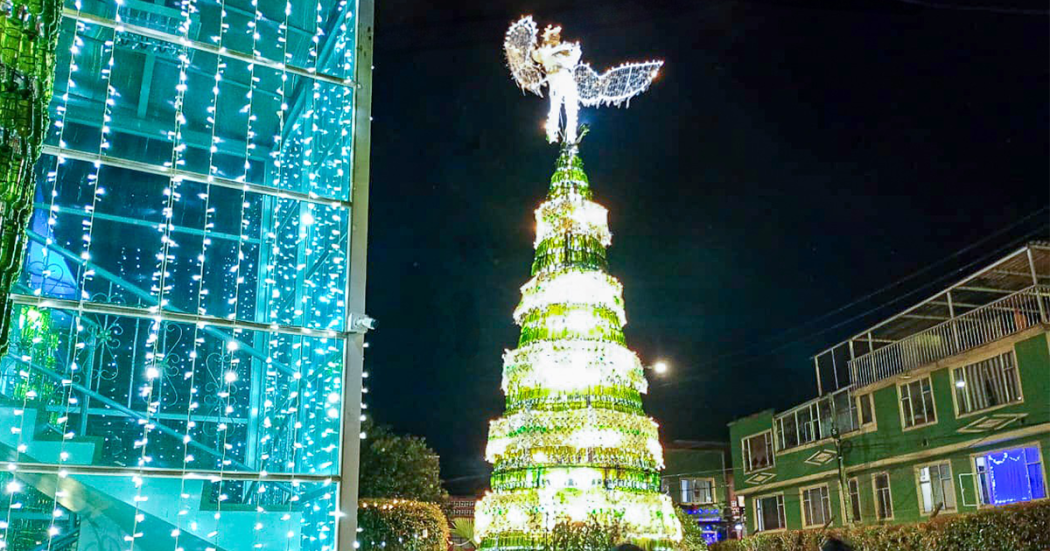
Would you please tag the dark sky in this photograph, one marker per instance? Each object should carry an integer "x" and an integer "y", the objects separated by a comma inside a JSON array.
[{"x": 793, "y": 156}]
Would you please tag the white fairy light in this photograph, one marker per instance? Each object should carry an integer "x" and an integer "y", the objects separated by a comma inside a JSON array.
[
  {"x": 570, "y": 83},
  {"x": 574, "y": 439}
]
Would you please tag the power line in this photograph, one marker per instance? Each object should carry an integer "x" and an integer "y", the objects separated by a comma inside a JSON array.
[
  {"x": 989, "y": 9},
  {"x": 984, "y": 258},
  {"x": 914, "y": 274}
]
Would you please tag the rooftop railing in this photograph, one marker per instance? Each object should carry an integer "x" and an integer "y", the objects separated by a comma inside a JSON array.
[{"x": 989, "y": 323}]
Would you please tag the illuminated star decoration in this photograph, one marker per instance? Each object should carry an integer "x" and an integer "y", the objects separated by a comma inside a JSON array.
[{"x": 571, "y": 83}]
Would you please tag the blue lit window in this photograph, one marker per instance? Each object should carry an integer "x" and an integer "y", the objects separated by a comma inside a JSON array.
[{"x": 1010, "y": 476}]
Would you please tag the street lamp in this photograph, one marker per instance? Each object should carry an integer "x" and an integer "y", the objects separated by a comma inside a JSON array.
[{"x": 660, "y": 367}]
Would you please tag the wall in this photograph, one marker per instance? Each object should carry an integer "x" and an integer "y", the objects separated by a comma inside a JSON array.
[{"x": 888, "y": 447}]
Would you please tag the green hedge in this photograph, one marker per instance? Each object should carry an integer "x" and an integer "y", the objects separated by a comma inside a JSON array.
[
  {"x": 401, "y": 525},
  {"x": 1024, "y": 527}
]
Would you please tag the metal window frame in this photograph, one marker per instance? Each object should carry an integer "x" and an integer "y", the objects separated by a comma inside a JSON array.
[
  {"x": 92, "y": 19},
  {"x": 888, "y": 502},
  {"x": 940, "y": 480},
  {"x": 353, "y": 364}
]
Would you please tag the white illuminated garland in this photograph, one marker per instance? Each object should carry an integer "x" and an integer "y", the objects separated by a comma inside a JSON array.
[
  {"x": 591, "y": 288},
  {"x": 570, "y": 214},
  {"x": 585, "y": 429},
  {"x": 572, "y": 366},
  {"x": 645, "y": 515}
]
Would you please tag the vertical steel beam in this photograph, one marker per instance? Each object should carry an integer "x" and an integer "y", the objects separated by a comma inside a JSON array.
[
  {"x": 955, "y": 325},
  {"x": 1035, "y": 281},
  {"x": 834, "y": 369},
  {"x": 353, "y": 353},
  {"x": 816, "y": 369},
  {"x": 851, "y": 369}
]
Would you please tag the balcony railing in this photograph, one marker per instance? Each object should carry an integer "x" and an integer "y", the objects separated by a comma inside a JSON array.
[{"x": 1006, "y": 316}]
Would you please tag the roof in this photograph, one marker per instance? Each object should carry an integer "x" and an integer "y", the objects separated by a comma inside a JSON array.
[{"x": 1017, "y": 271}]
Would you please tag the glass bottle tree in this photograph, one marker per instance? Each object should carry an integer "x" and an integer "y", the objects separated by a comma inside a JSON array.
[
  {"x": 574, "y": 444},
  {"x": 29, "y": 31}
]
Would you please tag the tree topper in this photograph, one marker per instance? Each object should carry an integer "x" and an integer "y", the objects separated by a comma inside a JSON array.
[{"x": 571, "y": 83}]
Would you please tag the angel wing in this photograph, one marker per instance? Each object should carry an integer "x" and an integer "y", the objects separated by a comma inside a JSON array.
[
  {"x": 518, "y": 46},
  {"x": 616, "y": 85}
]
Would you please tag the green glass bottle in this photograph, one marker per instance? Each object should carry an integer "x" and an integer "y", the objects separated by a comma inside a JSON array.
[{"x": 28, "y": 38}]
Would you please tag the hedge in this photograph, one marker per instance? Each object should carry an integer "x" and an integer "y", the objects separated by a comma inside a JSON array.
[
  {"x": 401, "y": 525},
  {"x": 1023, "y": 527}
]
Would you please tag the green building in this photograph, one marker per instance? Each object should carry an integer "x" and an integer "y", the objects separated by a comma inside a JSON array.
[
  {"x": 698, "y": 478},
  {"x": 942, "y": 409}
]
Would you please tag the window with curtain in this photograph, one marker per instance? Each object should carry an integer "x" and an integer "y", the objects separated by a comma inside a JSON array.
[
  {"x": 987, "y": 384},
  {"x": 769, "y": 513},
  {"x": 697, "y": 490},
  {"x": 854, "y": 498},
  {"x": 816, "y": 506},
  {"x": 1010, "y": 476},
  {"x": 883, "y": 496},
  {"x": 758, "y": 451},
  {"x": 935, "y": 488}
]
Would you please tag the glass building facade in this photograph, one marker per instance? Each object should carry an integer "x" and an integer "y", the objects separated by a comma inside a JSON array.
[{"x": 185, "y": 362}]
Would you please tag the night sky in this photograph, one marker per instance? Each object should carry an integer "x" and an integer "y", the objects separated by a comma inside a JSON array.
[{"x": 792, "y": 157}]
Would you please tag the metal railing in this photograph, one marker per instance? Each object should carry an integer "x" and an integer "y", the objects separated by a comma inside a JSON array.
[{"x": 1006, "y": 316}]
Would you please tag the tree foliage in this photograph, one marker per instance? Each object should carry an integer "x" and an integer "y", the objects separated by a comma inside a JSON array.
[
  {"x": 692, "y": 535},
  {"x": 584, "y": 536},
  {"x": 1023, "y": 527},
  {"x": 401, "y": 525},
  {"x": 396, "y": 466}
]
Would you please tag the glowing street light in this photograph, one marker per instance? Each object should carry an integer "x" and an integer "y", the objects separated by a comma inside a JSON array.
[{"x": 660, "y": 367}]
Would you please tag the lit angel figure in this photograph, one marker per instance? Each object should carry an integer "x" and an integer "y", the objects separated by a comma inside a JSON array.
[{"x": 556, "y": 64}]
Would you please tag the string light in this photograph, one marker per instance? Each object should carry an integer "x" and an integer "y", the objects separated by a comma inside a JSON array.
[
  {"x": 570, "y": 83},
  {"x": 574, "y": 443},
  {"x": 199, "y": 177}
]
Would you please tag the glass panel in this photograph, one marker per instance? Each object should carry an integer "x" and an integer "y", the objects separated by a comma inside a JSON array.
[
  {"x": 95, "y": 511},
  {"x": 854, "y": 494},
  {"x": 117, "y": 396},
  {"x": 769, "y": 515},
  {"x": 280, "y": 35},
  {"x": 929, "y": 414},
  {"x": 866, "y": 412},
  {"x": 234, "y": 127},
  {"x": 1035, "y": 478},
  {"x": 265, "y": 259},
  {"x": 212, "y": 400},
  {"x": 1014, "y": 475},
  {"x": 926, "y": 489},
  {"x": 789, "y": 431}
]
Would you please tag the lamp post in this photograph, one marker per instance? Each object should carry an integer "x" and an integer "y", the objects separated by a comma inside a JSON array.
[{"x": 660, "y": 367}]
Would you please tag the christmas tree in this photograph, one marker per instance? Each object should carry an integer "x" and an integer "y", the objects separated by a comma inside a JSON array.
[
  {"x": 574, "y": 445},
  {"x": 27, "y": 66}
]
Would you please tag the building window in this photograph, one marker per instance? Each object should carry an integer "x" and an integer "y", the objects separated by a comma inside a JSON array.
[
  {"x": 854, "y": 499},
  {"x": 816, "y": 506},
  {"x": 769, "y": 513},
  {"x": 1010, "y": 476},
  {"x": 698, "y": 490},
  {"x": 866, "y": 410},
  {"x": 935, "y": 488},
  {"x": 758, "y": 451},
  {"x": 665, "y": 486},
  {"x": 787, "y": 432},
  {"x": 917, "y": 406},
  {"x": 987, "y": 384},
  {"x": 816, "y": 420},
  {"x": 883, "y": 496}
]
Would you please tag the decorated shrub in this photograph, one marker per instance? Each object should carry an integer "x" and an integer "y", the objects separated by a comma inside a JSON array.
[
  {"x": 401, "y": 525},
  {"x": 1024, "y": 527}
]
